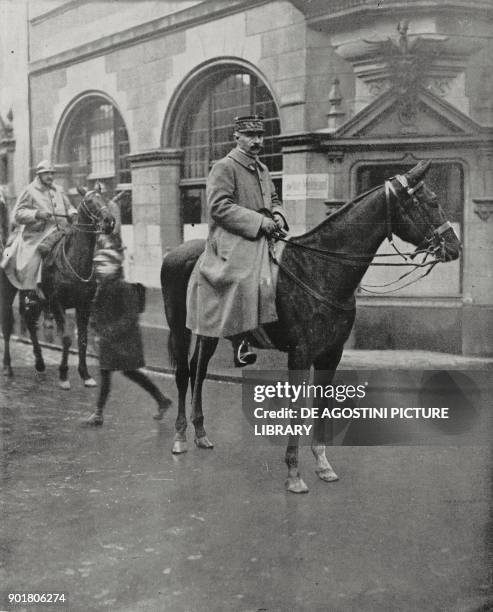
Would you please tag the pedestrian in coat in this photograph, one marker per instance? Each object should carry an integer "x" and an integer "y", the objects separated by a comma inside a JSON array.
[
  {"x": 117, "y": 305},
  {"x": 231, "y": 290},
  {"x": 41, "y": 210}
]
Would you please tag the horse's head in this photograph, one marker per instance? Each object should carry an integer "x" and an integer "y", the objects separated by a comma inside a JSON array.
[
  {"x": 93, "y": 211},
  {"x": 418, "y": 218}
]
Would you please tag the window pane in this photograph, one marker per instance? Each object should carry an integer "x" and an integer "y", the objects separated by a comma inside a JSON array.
[
  {"x": 444, "y": 179},
  {"x": 96, "y": 147},
  {"x": 192, "y": 205},
  {"x": 122, "y": 150},
  {"x": 208, "y": 131},
  {"x": 101, "y": 142}
]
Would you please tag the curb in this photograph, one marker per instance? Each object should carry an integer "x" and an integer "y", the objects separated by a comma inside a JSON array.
[{"x": 156, "y": 369}]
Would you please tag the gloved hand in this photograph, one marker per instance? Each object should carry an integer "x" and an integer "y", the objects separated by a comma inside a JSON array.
[
  {"x": 43, "y": 215},
  {"x": 268, "y": 227},
  {"x": 279, "y": 221},
  {"x": 72, "y": 218}
]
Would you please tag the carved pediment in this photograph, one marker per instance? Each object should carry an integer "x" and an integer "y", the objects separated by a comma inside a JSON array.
[{"x": 430, "y": 116}]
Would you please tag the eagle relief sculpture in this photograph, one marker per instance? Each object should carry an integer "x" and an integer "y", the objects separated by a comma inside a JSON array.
[{"x": 408, "y": 61}]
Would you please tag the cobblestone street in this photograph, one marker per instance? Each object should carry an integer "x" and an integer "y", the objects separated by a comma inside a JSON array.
[{"x": 124, "y": 525}]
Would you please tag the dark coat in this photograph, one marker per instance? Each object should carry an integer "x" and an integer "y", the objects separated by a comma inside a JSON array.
[
  {"x": 231, "y": 289},
  {"x": 116, "y": 317}
]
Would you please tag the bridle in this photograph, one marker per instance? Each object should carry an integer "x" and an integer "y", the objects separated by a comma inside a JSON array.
[
  {"x": 95, "y": 226},
  {"x": 433, "y": 245}
]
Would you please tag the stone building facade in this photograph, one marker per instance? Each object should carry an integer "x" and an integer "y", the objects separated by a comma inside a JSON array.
[{"x": 139, "y": 97}]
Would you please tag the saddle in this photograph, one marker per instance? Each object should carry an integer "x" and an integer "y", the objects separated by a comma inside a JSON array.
[{"x": 45, "y": 247}]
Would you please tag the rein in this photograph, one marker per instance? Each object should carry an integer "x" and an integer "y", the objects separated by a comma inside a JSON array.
[
  {"x": 93, "y": 227},
  {"x": 71, "y": 268},
  {"x": 366, "y": 259}
]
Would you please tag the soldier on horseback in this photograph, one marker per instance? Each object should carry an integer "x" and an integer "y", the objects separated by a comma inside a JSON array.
[
  {"x": 41, "y": 213},
  {"x": 231, "y": 290}
]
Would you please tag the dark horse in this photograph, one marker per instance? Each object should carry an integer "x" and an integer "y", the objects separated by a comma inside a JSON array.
[
  {"x": 319, "y": 273},
  {"x": 67, "y": 282}
]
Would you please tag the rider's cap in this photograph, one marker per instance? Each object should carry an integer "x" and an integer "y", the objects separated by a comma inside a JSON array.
[
  {"x": 250, "y": 123},
  {"x": 44, "y": 166}
]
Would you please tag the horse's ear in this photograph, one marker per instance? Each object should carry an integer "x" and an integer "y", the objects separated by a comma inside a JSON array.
[
  {"x": 417, "y": 173},
  {"x": 82, "y": 190}
]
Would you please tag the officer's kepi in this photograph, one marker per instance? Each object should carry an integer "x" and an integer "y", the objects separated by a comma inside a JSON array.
[{"x": 250, "y": 123}]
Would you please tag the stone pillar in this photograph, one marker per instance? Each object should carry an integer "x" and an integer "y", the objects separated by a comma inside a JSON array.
[
  {"x": 155, "y": 210},
  {"x": 335, "y": 115},
  {"x": 477, "y": 320},
  {"x": 7, "y": 150}
]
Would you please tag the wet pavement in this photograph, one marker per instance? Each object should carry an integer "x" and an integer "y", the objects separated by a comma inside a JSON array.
[{"x": 111, "y": 518}]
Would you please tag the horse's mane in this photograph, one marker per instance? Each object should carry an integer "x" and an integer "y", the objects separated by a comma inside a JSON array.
[{"x": 340, "y": 211}]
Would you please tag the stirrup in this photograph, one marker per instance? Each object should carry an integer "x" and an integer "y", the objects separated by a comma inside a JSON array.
[{"x": 243, "y": 356}]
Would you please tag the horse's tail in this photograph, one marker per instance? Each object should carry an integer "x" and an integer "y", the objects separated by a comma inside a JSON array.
[{"x": 175, "y": 273}]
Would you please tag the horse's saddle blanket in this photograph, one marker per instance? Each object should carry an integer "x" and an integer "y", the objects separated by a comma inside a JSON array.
[{"x": 258, "y": 337}]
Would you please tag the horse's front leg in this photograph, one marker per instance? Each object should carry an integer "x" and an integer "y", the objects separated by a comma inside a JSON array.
[
  {"x": 182, "y": 376},
  {"x": 31, "y": 310},
  {"x": 298, "y": 365},
  {"x": 82, "y": 319},
  {"x": 7, "y": 295},
  {"x": 66, "y": 341},
  {"x": 325, "y": 366},
  {"x": 206, "y": 348}
]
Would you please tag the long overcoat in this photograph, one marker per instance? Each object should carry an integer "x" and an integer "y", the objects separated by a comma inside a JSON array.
[
  {"x": 116, "y": 310},
  {"x": 22, "y": 261},
  {"x": 231, "y": 289}
]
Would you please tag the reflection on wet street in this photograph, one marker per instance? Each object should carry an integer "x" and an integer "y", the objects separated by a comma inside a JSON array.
[{"x": 110, "y": 517}]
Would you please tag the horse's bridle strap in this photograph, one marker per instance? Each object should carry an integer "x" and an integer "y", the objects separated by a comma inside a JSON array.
[
  {"x": 443, "y": 228},
  {"x": 325, "y": 301}
]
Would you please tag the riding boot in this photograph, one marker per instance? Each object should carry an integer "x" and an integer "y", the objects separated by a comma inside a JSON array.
[{"x": 243, "y": 356}]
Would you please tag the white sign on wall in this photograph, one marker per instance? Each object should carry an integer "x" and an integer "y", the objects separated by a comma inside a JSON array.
[{"x": 305, "y": 186}]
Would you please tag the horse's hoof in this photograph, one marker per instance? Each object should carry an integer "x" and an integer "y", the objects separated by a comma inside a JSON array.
[
  {"x": 64, "y": 384},
  {"x": 39, "y": 366},
  {"x": 95, "y": 420},
  {"x": 296, "y": 485},
  {"x": 179, "y": 447},
  {"x": 7, "y": 371},
  {"x": 327, "y": 475},
  {"x": 163, "y": 407},
  {"x": 90, "y": 382},
  {"x": 203, "y": 442}
]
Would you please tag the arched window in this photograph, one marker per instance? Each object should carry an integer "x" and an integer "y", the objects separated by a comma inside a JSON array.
[
  {"x": 207, "y": 133},
  {"x": 95, "y": 146}
]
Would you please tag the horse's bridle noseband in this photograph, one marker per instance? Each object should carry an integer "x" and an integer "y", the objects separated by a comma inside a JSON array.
[
  {"x": 95, "y": 226},
  {"x": 435, "y": 239}
]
